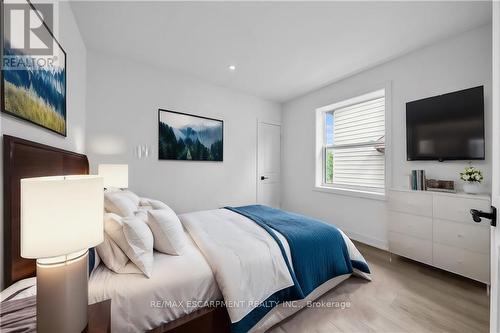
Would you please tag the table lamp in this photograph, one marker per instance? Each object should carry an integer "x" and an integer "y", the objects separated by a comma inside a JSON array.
[
  {"x": 61, "y": 217},
  {"x": 115, "y": 175}
]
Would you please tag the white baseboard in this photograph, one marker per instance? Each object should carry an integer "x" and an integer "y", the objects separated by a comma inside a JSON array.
[{"x": 375, "y": 242}]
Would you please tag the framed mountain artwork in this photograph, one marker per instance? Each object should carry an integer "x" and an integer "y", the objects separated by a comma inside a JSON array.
[
  {"x": 187, "y": 137},
  {"x": 33, "y": 79}
]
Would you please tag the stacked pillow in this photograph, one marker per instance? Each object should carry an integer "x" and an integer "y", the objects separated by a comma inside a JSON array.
[
  {"x": 135, "y": 226},
  {"x": 121, "y": 203},
  {"x": 114, "y": 258},
  {"x": 134, "y": 238},
  {"x": 167, "y": 231}
]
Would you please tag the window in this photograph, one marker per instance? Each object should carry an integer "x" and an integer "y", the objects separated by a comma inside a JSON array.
[{"x": 352, "y": 144}]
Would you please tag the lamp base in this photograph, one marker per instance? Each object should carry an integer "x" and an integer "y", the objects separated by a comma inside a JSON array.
[{"x": 62, "y": 294}]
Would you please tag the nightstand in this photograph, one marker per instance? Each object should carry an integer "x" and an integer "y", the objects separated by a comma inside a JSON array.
[{"x": 99, "y": 317}]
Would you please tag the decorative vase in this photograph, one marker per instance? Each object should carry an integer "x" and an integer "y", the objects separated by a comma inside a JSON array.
[{"x": 471, "y": 187}]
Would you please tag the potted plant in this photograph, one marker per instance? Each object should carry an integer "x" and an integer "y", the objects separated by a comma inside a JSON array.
[{"x": 472, "y": 178}]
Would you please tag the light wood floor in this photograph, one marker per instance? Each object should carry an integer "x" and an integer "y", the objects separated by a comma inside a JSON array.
[{"x": 404, "y": 296}]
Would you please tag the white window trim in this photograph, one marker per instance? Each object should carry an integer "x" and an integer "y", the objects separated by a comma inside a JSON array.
[
  {"x": 319, "y": 184},
  {"x": 350, "y": 192}
]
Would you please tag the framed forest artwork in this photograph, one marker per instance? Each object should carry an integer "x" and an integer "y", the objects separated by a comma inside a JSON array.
[
  {"x": 187, "y": 137},
  {"x": 33, "y": 79}
]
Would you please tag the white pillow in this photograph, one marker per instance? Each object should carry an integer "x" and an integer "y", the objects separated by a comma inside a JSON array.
[
  {"x": 130, "y": 268},
  {"x": 169, "y": 236},
  {"x": 120, "y": 203},
  {"x": 157, "y": 204},
  {"x": 145, "y": 207},
  {"x": 114, "y": 258},
  {"x": 142, "y": 214},
  {"x": 134, "y": 238},
  {"x": 144, "y": 202},
  {"x": 132, "y": 196},
  {"x": 153, "y": 204}
]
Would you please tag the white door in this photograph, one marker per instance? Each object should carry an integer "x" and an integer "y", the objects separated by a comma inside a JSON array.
[
  {"x": 495, "y": 191},
  {"x": 268, "y": 164}
]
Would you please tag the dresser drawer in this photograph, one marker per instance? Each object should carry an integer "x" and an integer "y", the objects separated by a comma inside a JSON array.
[
  {"x": 415, "y": 202},
  {"x": 412, "y": 225},
  {"x": 473, "y": 265},
  {"x": 466, "y": 236},
  {"x": 411, "y": 247},
  {"x": 458, "y": 208}
]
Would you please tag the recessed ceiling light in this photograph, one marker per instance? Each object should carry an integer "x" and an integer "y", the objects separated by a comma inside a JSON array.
[{"x": 232, "y": 68}]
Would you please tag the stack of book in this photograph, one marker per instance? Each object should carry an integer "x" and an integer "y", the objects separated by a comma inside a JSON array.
[{"x": 417, "y": 180}]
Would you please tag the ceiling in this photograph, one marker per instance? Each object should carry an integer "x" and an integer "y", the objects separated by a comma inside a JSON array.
[{"x": 281, "y": 50}]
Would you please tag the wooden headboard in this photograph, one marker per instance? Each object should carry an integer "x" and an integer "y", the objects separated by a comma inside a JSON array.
[{"x": 25, "y": 159}]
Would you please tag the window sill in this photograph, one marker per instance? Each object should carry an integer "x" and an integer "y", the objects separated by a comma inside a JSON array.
[{"x": 351, "y": 192}]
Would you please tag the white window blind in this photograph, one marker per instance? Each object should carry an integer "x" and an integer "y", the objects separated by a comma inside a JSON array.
[{"x": 354, "y": 145}]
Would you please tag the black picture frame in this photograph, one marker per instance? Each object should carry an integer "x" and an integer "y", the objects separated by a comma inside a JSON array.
[
  {"x": 2, "y": 81},
  {"x": 162, "y": 157}
]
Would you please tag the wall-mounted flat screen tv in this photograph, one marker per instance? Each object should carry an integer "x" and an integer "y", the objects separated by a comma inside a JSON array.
[{"x": 446, "y": 127}]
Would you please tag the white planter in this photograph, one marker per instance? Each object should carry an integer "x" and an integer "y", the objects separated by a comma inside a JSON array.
[{"x": 472, "y": 187}]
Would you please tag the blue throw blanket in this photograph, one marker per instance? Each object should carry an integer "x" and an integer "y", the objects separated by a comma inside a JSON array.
[{"x": 318, "y": 252}]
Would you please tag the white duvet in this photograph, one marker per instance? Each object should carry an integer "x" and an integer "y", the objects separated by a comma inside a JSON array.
[{"x": 246, "y": 261}]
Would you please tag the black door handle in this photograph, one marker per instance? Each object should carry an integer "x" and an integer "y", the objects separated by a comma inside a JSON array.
[
  {"x": 477, "y": 215},
  {"x": 263, "y": 177}
]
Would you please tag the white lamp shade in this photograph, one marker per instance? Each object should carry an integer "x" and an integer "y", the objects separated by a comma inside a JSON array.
[
  {"x": 60, "y": 215},
  {"x": 115, "y": 175}
]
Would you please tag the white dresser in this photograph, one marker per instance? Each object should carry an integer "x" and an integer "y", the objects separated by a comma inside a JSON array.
[{"x": 437, "y": 229}]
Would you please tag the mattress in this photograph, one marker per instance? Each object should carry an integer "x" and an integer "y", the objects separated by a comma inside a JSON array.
[{"x": 178, "y": 286}]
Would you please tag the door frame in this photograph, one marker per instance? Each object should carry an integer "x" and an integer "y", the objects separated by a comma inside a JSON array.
[
  {"x": 495, "y": 273},
  {"x": 268, "y": 122}
]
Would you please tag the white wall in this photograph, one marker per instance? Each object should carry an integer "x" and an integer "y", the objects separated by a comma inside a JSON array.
[
  {"x": 460, "y": 62},
  {"x": 123, "y": 102},
  {"x": 72, "y": 42}
]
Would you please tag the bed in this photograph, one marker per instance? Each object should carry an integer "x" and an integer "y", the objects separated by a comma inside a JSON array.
[
  {"x": 193, "y": 292},
  {"x": 23, "y": 159}
]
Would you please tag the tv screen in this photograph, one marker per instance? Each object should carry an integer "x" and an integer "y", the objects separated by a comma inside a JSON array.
[{"x": 446, "y": 127}]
